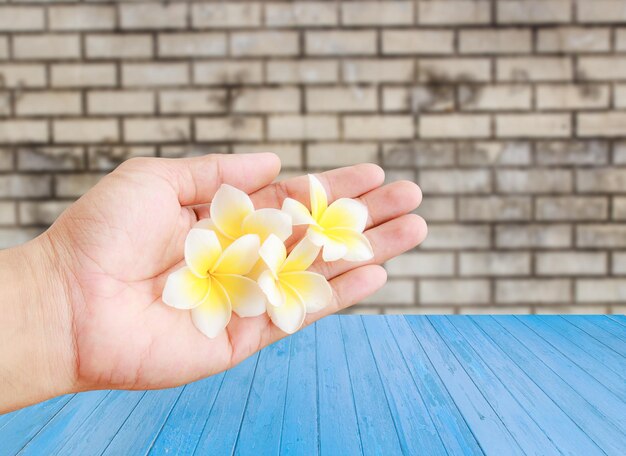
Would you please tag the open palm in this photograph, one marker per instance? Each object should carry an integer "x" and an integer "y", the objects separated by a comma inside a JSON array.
[{"x": 118, "y": 243}]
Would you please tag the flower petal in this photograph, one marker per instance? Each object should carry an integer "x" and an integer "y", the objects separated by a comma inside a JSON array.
[
  {"x": 229, "y": 208},
  {"x": 273, "y": 253},
  {"x": 268, "y": 221},
  {"x": 212, "y": 316},
  {"x": 358, "y": 246},
  {"x": 301, "y": 257},
  {"x": 239, "y": 257},
  {"x": 290, "y": 316},
  {"x": 333, "y": 250},
  {"x": 345, "y": 213},
  {"x": 269, "y": 285},
  {"x": 313, "y": 288},
  {"x": 299, "y": 213},
  {"x": 184, "y": 290},
  {"x": 316, "y": 235},
  {"x": 319, "y": 201},
  {"x": 207, "y": 224},
  {"x": 202, "y": 249},
  {"x": 246, "y": 297}
]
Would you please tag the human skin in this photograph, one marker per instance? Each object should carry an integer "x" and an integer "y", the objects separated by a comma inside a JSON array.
[{"x": 81, "y": 308}]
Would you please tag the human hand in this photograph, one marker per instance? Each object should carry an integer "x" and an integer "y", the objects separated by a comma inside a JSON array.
[{"x": 113, "y": 249}]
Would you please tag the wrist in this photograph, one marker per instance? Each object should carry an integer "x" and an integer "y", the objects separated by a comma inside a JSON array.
[{"x": 36, "y": 336}]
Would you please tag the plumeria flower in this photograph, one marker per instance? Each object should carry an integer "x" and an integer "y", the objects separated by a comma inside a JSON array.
[
  {"x": 337, "y": 228},
  {"x": 212, "y": 284},
  {"x": 291, "y": 290}
]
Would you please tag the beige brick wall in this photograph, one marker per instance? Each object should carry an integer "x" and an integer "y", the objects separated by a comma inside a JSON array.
[{"x": 511, "y": 115}]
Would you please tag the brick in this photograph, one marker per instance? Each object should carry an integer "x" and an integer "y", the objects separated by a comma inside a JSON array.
[
  {"x": 157, "y": 130},
  {"x": 572, "y": 152},
  {"x": 376, "y": 71},
  {"x": 422, "y": 264},
  {"x": 534, "y": 181},
  {"x": 457, "y": 236},
  {"x": 454, "y": 12},
  {"x": 48, "y": 103},
  {"x": 440, "y": 70},
  {"x": 601, "y": 180},
  {"x": 600, "y": 11},
  {"x": 303, "y": 127},
  {"x": 495, "y": 41},
  {"x": 454, "y": 291},
  {"x": 13, "y": 19},
  {"x": 83, "y": 75},
  {"x": 454, "y": 126},
  {"x": 106, "y": 158},
  {"x": 394, "y": 292},
  {"x": 620, "y": 39},
  {"x": 533, "y": 236},
  {"x": 619, "y": 152},
  {"x": 418, "y": 42},
  {"x": 46, "y": 47},
  {"x": 270, "y": 100},
  {"x": 85, "y": 131},
  {"x": 290, "y": 154},
  {"x": 118, "y": 46},
  {"x": 264, "y": 44},
  {"x": 567, "y": 97},
  {"x": 7, "y": 213},
  {"x": 619, "y": 208},
  {"x": 494, "y": 264},
  {"x": 377, "y": 13},
  {"x": 229, "y": 129},
  {"x": 619, "y": 94},
  {"x": 601, "y": 290},
  {"x": 50, "y": 158},
  {"x": 224, "y": 72},
  {"x": 378, "y": 127},
  {"x": 419, "y": 154},
  {"x": 41, "y": 212},
  {"x": 340, "y": 42},
  {"x": 75, "y": 185},
  {"x": 192, "y": 44},
  {"x": 533, "y": 125},
  {"x": 533, "y": 291},
  {"x": 618, "y": 263},
  {"x": 24, "y": 186},
  {"x": 596, "y": 68},
  {"x": 573, "y": 39},
  {"x": 522, "y": 69},
  {"x": 302, "y": 71},
  {"x": 81, "y": 17},
  {"x": 192, "y": 101},
  {"x": 221, "y": 15},
  {"x": 571, "y": 263},
  {"x": 6, "y": 159},
  {"x": 419, "y": 98},
  {"x": 21, "y": 131},
  {"x": 488, "y": 153},
  {"x": 534, "y": 11},
  {"x": 597, "y": 236},
  {"x": 436, "y": 209},
  {"x": 495, "y": 208},
  {"x": 495, "y": 97},
  {"x": 153, "y": 16},
  {"x": 4, "y": 48},
  {"x": 340, "y": 99},
  {"x": 333, "y": 155},
  {"x": 455, "y": 181},
  {"x": 5, "y": 103},
  {"x": 301, "y": 14},
  {"x": 571, "y": 208},
  {"x": 606, "y": 124},
  {"x": 118, "y": 102},
  {"x": 495, "y": 310},
  {"x": 154, "y": 74}
]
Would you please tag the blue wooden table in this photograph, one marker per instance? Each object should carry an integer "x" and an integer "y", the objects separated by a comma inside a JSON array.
[{"x": 502, "y": 385}]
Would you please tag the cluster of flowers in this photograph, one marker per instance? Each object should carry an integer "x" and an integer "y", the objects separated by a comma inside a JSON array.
[{"x": 236, "y": 260}]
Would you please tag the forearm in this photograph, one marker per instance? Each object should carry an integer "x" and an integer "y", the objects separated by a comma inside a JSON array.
[{"x": 35, "y": 327}]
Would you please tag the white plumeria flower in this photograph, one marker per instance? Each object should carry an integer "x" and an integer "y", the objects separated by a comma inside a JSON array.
[
  {"x": 337, "y": 228},
  {"x": 212, "y": 284},
  {"x": 291, "y": 290}
]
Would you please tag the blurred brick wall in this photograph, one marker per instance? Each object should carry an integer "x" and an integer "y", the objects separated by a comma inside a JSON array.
[{"x": 510, "y": 115}]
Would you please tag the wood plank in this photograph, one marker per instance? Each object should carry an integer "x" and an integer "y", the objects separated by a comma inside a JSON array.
[
  {"x": 64, "y": 424},
  {"x": 97, "y": 431},
  {"x": 182, "y": 429},
  {"x": 263, "y": 418},
  {"x": 224, "y": 419},
  {"x": 418, "y": 434},
  {"x": 339, "y": 430},
  {"x": 141, "y": 427},
  {"x": 546, "y": 410},
  {"x": 376, "y": 424},
  {"x": 27, "y": 422},
  {"x": 606, "y": 432},
  {"x": 599, "y": 332},
  {"x": 300, "y": 431},
  {"x": 621, "y": 319},
  {"x": 588, "y": 363},
  {"x": 609, "y": 325},
  {"x": 453, "y": 430}
]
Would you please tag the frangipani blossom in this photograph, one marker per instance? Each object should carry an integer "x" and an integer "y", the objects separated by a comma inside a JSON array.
[
  {"x": 337, "y": 227},
  {"x": 291, "y": 290},
  {"x": 212, "y": 284}
]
